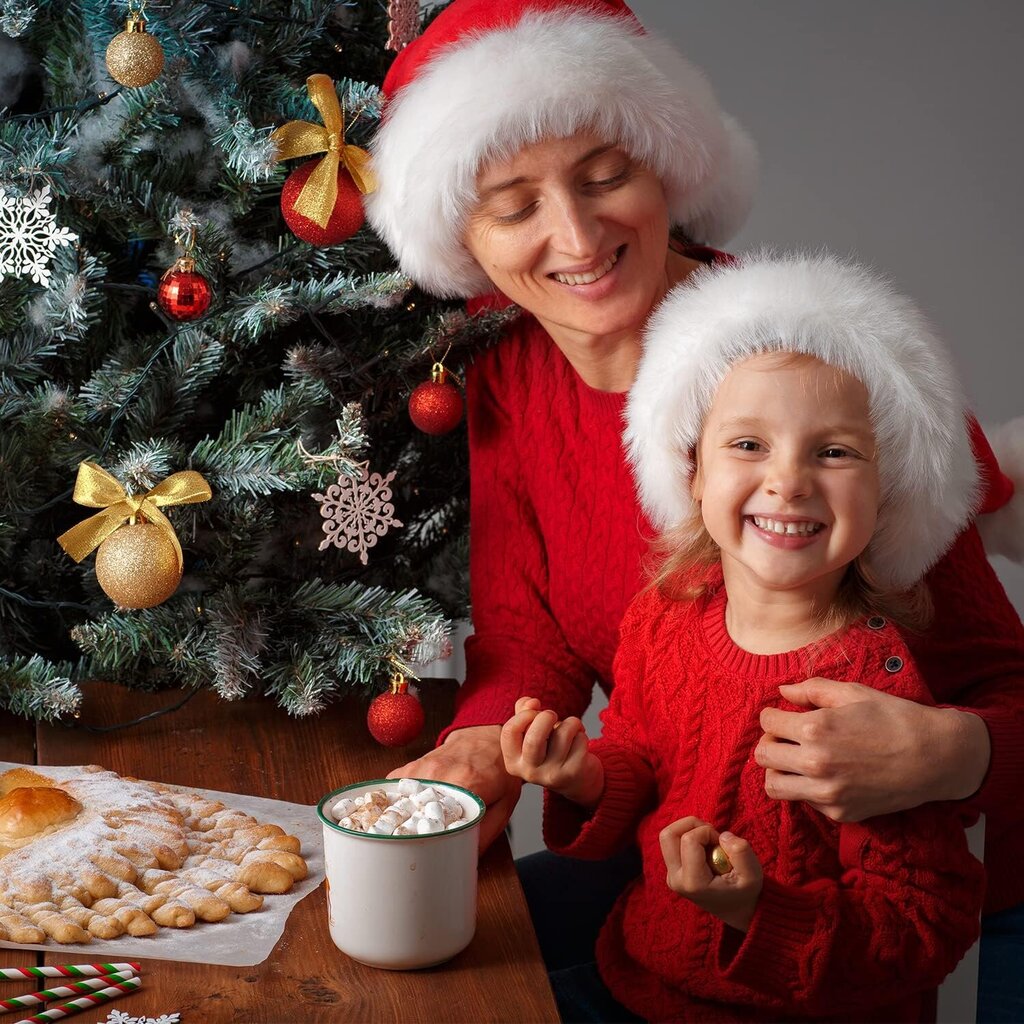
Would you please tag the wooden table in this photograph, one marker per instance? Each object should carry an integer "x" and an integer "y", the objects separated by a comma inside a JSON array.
[{"x": 253, "y": 747}]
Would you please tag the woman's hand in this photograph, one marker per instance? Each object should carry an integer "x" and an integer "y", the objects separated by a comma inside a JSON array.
[
  {"x": 686, "y": 846},
  {"x": 861, "y": 752},
  {"x": 551, "y": 753},
  {"x": 471, "y": 758}
]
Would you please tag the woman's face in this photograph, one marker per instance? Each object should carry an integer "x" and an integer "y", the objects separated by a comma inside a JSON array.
[{"x": 574, "y": 231}]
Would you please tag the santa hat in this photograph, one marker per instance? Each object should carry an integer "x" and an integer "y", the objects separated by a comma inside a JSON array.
[
  {"x": 847, "y": 317},
  {"x": 490, "y": 76}
]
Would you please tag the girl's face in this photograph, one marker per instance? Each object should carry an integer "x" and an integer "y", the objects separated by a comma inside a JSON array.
[
  {"x": 574, "y": 231},
  {"x": 787, "y": 477}
]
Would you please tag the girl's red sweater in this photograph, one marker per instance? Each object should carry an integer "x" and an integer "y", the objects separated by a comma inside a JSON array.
[
  {"x": 557, "y": 550},
  {"x": 855, "y": 922}
]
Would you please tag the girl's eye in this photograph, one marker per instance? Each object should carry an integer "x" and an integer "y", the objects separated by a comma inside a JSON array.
[
  {"x": 748, "y": 446},
  {"x": 836, "y": 452}
]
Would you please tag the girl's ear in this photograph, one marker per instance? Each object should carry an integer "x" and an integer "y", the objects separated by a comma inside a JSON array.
[{"x": 696, "y": 477}]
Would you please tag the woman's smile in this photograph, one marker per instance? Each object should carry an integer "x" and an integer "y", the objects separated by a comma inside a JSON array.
[{"x": 580, "y": 279}]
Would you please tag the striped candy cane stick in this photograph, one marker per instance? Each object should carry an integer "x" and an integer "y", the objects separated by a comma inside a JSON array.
[
  {"x": 49, "y": 994},
  {"x": 83, "y": 1002},
  {"x": 68, "y": 971}
]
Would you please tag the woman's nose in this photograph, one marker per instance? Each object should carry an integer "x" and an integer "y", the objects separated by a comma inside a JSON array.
[{"x": 575, "y": 230}]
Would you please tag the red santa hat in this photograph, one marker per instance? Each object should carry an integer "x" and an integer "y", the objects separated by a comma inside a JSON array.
[
  {"x": 490, "y": 76},
  {"x": 848, "y": 317}
]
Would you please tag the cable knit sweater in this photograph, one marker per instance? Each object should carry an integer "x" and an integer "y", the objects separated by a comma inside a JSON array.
[
  {"x": 855, "y": 922},
  {"x": 557, "y": 544}
]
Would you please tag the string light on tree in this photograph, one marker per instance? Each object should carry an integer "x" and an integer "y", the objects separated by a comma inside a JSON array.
[{"x": 134, "y": 57}]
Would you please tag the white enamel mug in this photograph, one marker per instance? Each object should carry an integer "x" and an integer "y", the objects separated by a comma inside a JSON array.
[{"x": 401, "y": 902}]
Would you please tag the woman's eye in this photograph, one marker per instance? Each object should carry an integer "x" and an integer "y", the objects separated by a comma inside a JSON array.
[
  {"x": 611, "y": 182},
  {"x": 514, "y": 218}
]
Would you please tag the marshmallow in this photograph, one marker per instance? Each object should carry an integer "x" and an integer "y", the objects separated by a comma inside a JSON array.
[
  {"x": 405, "y": 810},
  {"x": 344, "y": 807},
  {"x": 425, "y": 796},
  {"x": 405, "y": 807}
]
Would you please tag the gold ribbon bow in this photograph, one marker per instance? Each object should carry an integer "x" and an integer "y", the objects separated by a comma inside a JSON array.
[
  {"x": 303, "y": 138},
  {"x": 96, "y": 488}
]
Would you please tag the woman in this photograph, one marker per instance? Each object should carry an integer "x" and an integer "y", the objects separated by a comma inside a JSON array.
[{"x": 537, "y": 152}]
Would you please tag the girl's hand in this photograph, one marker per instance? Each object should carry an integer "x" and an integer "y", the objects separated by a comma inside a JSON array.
[
  {"x": 686, "y": 846},
  {"x": 539, "y": 748}
]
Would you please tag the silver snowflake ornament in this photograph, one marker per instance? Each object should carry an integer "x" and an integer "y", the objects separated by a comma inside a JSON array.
[
  {"x": 403, "y": 23},
  {"x": 357, "y": 512},
  {"x": 29, "y": 235}
]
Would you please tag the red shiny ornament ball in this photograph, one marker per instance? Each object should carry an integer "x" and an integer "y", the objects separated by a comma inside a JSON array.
[
  {"x": 395, "y": 719},
  {"x": 436, "y": 406},
  {"x": 346, "y": 220},
  {"x": 184, "y": 294}
]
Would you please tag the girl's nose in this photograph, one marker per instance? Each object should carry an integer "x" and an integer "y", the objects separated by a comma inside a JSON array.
[{"x": 787, "y": 477}]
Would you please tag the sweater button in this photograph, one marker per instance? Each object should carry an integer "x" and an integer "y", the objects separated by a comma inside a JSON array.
[
  {"x": 893, "y": 664},
  {"x": 876, "y": 622}
]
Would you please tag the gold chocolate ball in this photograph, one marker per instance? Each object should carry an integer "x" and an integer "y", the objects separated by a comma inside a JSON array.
[
  {"x": 720, "y": 863},
  {"x": 134, "y": 57},
  {"x": 137, "y": 566}
]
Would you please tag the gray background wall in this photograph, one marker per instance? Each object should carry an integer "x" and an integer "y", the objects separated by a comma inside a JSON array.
[{"x": 889, "y": 130}]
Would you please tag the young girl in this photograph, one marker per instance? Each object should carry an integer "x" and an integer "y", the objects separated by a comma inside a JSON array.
[{"x": 798, "y": 435}]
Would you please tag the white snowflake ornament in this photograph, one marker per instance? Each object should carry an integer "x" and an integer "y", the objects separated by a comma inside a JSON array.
[
  {"x": 357, "y": 512},
  {"x": 29, "y": 235}
]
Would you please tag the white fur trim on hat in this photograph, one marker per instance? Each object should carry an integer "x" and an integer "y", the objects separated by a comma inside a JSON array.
[
  {"x": 1003, "y": 530},
  {"x": 847, "y": 317},
  {"x": 551, "y": 74}
]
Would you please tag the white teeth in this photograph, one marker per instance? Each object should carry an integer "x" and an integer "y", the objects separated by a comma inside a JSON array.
[
  {"x": 801, "y": 529},
  {"x": 590, "y": 277}
]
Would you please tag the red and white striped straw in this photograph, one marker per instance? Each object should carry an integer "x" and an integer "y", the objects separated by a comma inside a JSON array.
[
  {"x": 68, "y": 971},
  {"x": 49, "y": 994},
  {"x": 83, "y": 1002}
]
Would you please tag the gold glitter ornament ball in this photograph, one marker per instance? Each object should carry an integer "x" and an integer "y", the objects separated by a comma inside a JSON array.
[
  {"x": 137, "y": 566},
  {"x": 134, "y": 57}
]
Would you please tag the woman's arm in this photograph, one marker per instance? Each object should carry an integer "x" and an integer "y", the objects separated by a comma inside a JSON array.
[{"x": 518, "y": 647}]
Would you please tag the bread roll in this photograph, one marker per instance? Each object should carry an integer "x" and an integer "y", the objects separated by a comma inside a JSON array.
[{"x": 96, "y": 854}]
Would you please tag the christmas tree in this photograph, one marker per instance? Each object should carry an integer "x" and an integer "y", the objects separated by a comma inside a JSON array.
[{"x": 288, "y": 394}]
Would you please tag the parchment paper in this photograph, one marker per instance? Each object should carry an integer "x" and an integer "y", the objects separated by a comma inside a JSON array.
[{"x": 240, "y": 940}]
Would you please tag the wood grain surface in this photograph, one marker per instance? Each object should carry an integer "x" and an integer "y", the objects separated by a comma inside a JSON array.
[{"x": 253, "y": 747}]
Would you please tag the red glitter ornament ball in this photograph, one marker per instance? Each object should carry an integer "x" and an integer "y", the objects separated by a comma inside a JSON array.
[
  {"x": 183, "y": 293},
  {"x": 348, "y": 215},
  {"x": 435, "y": 406},
  {"x": 395, "y": 718}
]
